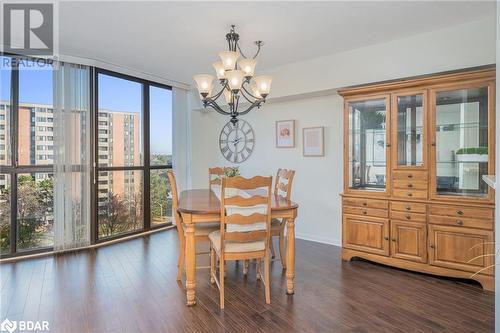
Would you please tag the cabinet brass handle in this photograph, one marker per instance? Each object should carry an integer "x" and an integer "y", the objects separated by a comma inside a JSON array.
[
  {"x": 386, "y": 238},
  {"x": 410, "y": 176},
  {"x": 432, "y": 246},
  {"x": 364, "y": 203},
  {"x": 408, "y": 217},
  {"x": 409, "y": 194},
  {"x": 410, "y": 185},
  {"x": 433, "y": 144},
  {"x": 394, "y": 239},
  {"x": 364, "y": 212},
  {"x": 408, "y": 207},
  {"x": 460, "y": 222},
  {"x": 459, "y": 212},
  {"x": 388, "y": 145}
]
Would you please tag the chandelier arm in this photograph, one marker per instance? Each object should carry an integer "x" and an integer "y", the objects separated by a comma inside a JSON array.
[
  {"x": 213, "y": 104},
  {"x": 254, "y": 104},
  {"x": 251, "y": 95},
  {"x": 244, "y": 95},
  {"x": 241, "y": 52},
  {"x": 216, "y": 96},
  {"x": 259, "y": 43}
]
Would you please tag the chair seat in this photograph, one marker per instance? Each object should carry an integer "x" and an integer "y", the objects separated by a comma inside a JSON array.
[
  {"x": 234, "y": 247},
  {"x": 203, "y": 229}
]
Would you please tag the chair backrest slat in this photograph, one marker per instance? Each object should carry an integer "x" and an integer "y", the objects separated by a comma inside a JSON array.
[
  {"x": 281, "y": 187},
  {"x": 245, "y": 236},
  {"x": 245, "y": 202},
  {"x": 242, "y": 219},
  {"x": 247, "y": 183}
]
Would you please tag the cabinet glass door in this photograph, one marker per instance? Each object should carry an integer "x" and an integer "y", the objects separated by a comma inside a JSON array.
[
  {"x": 367, "y": 144},
  {"x": 461, "y": 140},
  {"x": 410, "y": 131}
]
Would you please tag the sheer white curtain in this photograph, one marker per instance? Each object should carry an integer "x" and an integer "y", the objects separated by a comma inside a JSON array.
[
  {"x": 181, "y": 114},
  {"x": 71, "y": 156}
]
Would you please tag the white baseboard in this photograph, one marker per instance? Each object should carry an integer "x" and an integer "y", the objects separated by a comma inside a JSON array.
[{"x": 315, "y": 238}]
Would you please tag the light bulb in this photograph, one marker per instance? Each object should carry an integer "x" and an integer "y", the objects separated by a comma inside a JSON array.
[
  {"x": 229, "y": 59},
  {"x": 263, "y": 83},
  {"x": 219, "y": 70},
  {"x": 204, "y": 83},
  {"x": 247, "y": 66},
  {"x": 235, "y": 79}
]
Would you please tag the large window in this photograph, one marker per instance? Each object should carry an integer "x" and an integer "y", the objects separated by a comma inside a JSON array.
[
  {"x": 132, "y": 140},
  {"x": 26, "y": 156},
  {"x": 133, "y": 151}
]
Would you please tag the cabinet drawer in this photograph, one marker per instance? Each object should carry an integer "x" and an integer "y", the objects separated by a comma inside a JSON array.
[
  {"x": 410, "y": 175},
  {"x": 366, "y": 211},
  {"x": 461, "y": 222},
  {"x": 460, "y": 211},
  {"x": 409, "y": 207},
  {"x": 411, "y": 184},
  {"x": 409, "y": 194},
  {"x": 368, "y": 203},
  {"x": 405, "y": 216}
]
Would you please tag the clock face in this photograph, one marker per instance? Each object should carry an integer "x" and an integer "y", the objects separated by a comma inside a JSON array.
[{"x": 236, "y": 141}]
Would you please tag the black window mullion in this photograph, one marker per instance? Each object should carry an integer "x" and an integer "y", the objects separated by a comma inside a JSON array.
[
  {"x": 147, "y": 158},
  {"x": 14, "y": 109}
]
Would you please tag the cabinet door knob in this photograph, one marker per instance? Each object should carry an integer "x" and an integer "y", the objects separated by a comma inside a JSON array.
[
  {"x": 364, "y": 203},
  {"x": 433, "y": 144},
  {"x": 460, "y": 222},
  {"x": 388, "y": 145},
  {"x": 432, "y": 246},
  {"x": 409, "y": 194},
  {"x": 408, "y": 207},
  {"x": 410, "y": 176},
  {"x": 459, "y": 212},
  {"x": 408, "y": 217},
  {"x": 364, "y": 212},
  {"x": 394, "y": 239},
  {"x": 410, "y": 185},
  {"x": 386, "y": 238}
]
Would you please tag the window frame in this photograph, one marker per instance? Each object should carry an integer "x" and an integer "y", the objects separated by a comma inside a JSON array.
[
  {"x": 146, "y": 166},
  {"x": 14, "y": 169}
]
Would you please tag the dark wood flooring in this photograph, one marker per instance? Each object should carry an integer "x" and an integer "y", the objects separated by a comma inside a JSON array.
[{"x": 131, "y": 287}]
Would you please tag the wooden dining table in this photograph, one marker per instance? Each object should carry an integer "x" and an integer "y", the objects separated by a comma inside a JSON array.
[{"x": 203, "y": 205}]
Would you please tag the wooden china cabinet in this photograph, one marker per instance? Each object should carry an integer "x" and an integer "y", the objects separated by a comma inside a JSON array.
[{"x": 414, "y": 155}]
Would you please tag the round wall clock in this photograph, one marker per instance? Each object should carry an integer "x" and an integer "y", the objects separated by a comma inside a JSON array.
[{"x": 236, "y": 141}]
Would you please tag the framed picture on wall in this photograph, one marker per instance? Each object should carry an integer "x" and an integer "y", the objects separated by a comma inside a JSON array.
[
  {"x": 285, "y": 134},
  {"x": 312, "y": 141}
]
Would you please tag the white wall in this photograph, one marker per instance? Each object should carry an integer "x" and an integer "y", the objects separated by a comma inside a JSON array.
[{"x": 319, "y": 179}]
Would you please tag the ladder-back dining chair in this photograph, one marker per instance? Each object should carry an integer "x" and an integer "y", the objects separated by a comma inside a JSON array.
[
  {"x": 282, "y": 187},
  {"x": 201, "y": 231},
  {"x": 215, "y": 176},
  {"x": 245, "y": 228}
]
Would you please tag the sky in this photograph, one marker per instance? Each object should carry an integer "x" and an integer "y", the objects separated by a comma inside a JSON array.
[{"x": 35, "y": 86}]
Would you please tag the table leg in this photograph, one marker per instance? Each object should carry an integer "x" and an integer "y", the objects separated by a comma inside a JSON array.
[
  {"x": 190, "y": 262},
  {"x": 290, "y": 255}
]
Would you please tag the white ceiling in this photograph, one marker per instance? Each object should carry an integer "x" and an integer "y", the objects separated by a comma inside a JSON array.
[{"x": 178, "y": 39}]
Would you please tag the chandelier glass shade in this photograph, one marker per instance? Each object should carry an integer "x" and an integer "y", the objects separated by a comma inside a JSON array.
[{"x": 238, "y": 83}]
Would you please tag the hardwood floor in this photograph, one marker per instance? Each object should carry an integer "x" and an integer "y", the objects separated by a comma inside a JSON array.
[{"x": 131, "y": 287}]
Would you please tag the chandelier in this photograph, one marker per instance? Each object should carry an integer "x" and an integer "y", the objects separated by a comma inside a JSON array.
[{"x": 235, "y": 73}]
